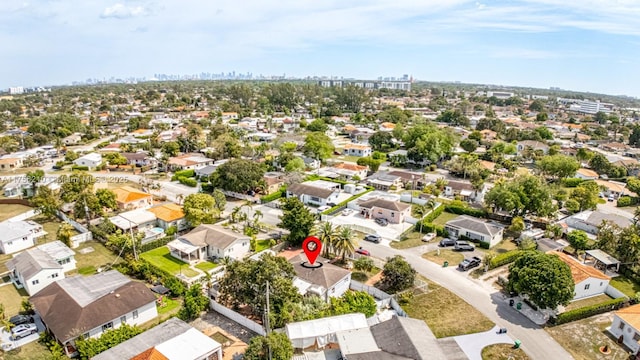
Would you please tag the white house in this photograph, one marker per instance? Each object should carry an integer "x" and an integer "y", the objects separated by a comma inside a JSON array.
[
  {"x": 139, "y": 220},
  {"x": 19, "y": 235},
  {"x": 326, "y": 281},
  {"x": 87, "y": 306},
  {"x": 474, "y": 229},
  {"x": 590, "y": 220},
  {"x": 36, "y": 268},
  {"x": 588, "y": 280},
  {"x": 464, "y": 190},
  {"x": 626, "y": 327},
  {"x": 586, "y": 174},
  {"x": 316, "y": 193},
  {"x": 360, "y": 150},
  {"x": 207, "y": 241},
  {"x": 91, "y": 160},
  {"x": 173, "y": 339},
  {"x": 533, "y": 145}
]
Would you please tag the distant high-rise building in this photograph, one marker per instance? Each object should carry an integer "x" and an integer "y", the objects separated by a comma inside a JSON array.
[
  {"x": 16, "y": 90},
  {"x": 591, "y": 107}
]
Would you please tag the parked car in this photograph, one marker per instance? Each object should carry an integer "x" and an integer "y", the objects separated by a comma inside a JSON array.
[
  {"x": 323, "y": 208},
  {"x": 611, "y": 198},
  {"x": 347, "y": 212},
  {"x": 463, "y": 246},
  {"x": 447, "y": 242},
  {"x": 429, "y": 237},
  {"x": 382, "y": 221},
  {"x": 362, "y": 251},
  {"x": 21, "y": 319},
  {"x": 469, "y": 263},
  {"x": 373, "y": 238},
  {"x": 23, "y": 330}
]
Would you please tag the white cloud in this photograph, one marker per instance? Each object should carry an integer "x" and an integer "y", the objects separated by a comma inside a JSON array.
[{"x": 122, "y": 11}]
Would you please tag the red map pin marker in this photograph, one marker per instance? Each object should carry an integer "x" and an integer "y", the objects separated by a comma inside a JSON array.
[{"x": 312, "y": 247}]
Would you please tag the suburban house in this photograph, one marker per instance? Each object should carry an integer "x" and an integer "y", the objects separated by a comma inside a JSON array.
[
  {"x": 586, "y": 174},
  {"x": 589, "y": 221},
  {"x": 347, "y": 171},
  {"x": 464, "y": 190},
  {"x": 92, "y": 160},
  {"x": 359, "y": 150},
  {"x": 626, "y": 327},
  {"x": 87, "y": 306},
  {"x": 210, "y": 241},
  {"x": 189, "y": 162},
  {"x": 316, "y": 193},
  {"x": 588, "y": 280},
  {"x": 274, "y": 181},
  {"x": 36, "y": 268},
  {"x": 384, "y": 181},
  {"x": 173, "y": 339},
  {"x": 168, "y": 215},
  {"x": 19, "y": 235},
  {"x": 72, "y": 139},
  {"x": 129, "y": 198},
  {"x": 10, "y": 163},
  {"x": 613, "y": 188},
  {"x": 19, "y": 187},
  {"x": 474, "y": 229},
  {"x": 321, "y": 332},
  {"x": 139, "y": 221},
  {"x": 409, "y": 179},
  {"x": 393, "y": 211},
  {"x": 326, "y": 281},
  {"x": 404, "y": 338},
  {"x": 140, "y": 158},
  {"x": 532, "y": 145}
]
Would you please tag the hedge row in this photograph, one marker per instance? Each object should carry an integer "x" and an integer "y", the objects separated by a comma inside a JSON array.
[
  {"x": 183, "y": 173},
  {"x": 155, "y": 243},
  {"x": 505, "y": 258},
  {"x": 587, "y": 311},
  {"x": 428, "y": 227},
  {"x": 344, "y": 203},
  {"x": 79, "y": 167},
  {"x": 144, "y": 270},
  {"x": 434, "y": 214},
  {"x": 273, "y": 196},
  {"x": 187, "y": 181},
  {"x": 627, "y": 201},
  {"x": 572, "y": 182},
  {"x": 460, "y": 210}
]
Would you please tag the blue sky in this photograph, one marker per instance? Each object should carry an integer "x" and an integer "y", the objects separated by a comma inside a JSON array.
[{"x": 586, "y": 45}]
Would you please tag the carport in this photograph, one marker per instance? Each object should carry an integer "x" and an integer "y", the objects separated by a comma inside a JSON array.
[{"x": 601, "y": 260}]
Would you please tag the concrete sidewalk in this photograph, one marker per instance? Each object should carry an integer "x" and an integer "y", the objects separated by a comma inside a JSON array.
[{"x": 473, "y": 344}]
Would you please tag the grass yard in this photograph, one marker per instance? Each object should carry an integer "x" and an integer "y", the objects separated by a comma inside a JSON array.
[
  {"x": 353, "y": 159},
  {"x": 453, "y": 257},
  {"x": 31, "y": 351},
  {"x": 444, "y": 217},
  {"x": 503, "y": 352},
  {"x": 504, "y": 246},
  {"x": 262, "y": 244},
  {"x": 626, "y": 285},
  {"x": 206, "y": 266},
  {"x": 161, "y": 258},
  {"x": 89, "y": 262},
  {"x": 12, "y": 298},
  {"x": 220, "y": 338},
  {"x": 363, "y": 276},
  {"x": 583, "y": 338},
  {"x": 413, "y": 239},
  {"x": 442, "y": 311},
  {"x": 587, "y": 302},
  {"x": 168, "y": 305},
  {"x": 8, "y": 211}
]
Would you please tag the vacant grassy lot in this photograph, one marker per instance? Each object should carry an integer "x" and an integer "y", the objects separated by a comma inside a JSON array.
[
  {"x": 444, "y": 217},
  {"x": 8, "y": 211},
  {"x": 161, "y": 258},
  {"x": 626, "y": 285},
  {"x": 446, "y": 314},
  {"x": 453, "y": 257},
  {"x": 12, "y": 298},
  {"x": 503, "y": 352},
  {"x": 413, "y": 239},
  {"x": 206, "y": 265},
  {"x": 168, "y": 305},
  {"x": 89, "y": 262},
  {"x": 587, "y": 302},
  {"x": 504, "y": 246},
  {"x": 583, "y": 338},
  {"x": 31, "y": 351}
]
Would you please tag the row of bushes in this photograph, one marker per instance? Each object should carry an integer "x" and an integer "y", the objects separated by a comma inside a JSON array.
[
  {"x": 434, "y": 214},
  {"x": 482, "y": 244},
  {"x": 143, "y": 270},
  {"x": 80, "y": 168},
  {"x": 428, "y": 227},
  {"x": 627, "y": 201},
  {"x": 187, "y": 181},
  {"x": 572, "y": 182},
  {"x": 183, "y": 173},
  {"x": 156, "y": 243},
  {"x": 587, "y": 311},
  {"x": 273, "y": 196},
  {"x": 505, "y": 258},
  {"x": 464, "y": 210}
]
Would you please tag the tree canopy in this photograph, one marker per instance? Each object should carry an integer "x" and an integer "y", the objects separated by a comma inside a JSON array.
[
  {"x": 318, "y": 145},
  {"x": 558, "y": 166},
  {"x": 397, "y": 275},
  {"x": 523, "y": 195},
  {"x": 273, "y": 346},
  {"x": 428, "y": 142},
  {"x": 200, "y": 209},
  {"x": 297, "y": 219},
  {"x": 239, "y": 175}
]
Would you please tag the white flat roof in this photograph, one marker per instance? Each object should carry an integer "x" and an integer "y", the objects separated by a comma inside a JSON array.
[
  {"x": 183, "y": 246},
  {"x": 191, "y": 344},
  {"x": 357, "y": 341},
  {"x": 325, "y": 326}
]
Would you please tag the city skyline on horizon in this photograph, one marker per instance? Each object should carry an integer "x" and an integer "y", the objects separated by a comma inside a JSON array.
[{"x": 585, "y": 46}]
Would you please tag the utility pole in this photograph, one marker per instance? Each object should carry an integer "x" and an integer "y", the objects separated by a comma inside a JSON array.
[
  {"x": 133, "y": 241},
  {"x": 267, "y": 321}
]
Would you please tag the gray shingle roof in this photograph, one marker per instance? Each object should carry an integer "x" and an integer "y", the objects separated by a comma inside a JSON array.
[
  {"x": 15, "y": 229},
  {"x": 326, "y": 276},
  {"x": 403, "y": 336},
  {"x": 304, "y": 189},
  {"x": 214, "y": 235},
  {"x": 31, "y": 262},
  {"x": 384, "y": 204},
  {"x": 475, "y": 225}
]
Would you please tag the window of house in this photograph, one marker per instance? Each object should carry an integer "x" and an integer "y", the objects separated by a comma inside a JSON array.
[
  {"x": 123, "y": 319},
  {"x": 54, "y": 275},
  {"x": 636, "y": 337},
  {"x": 35, "y": 282},
  {"x": 135, "y": 314},
  {"x": 621, "y": 326},
  {"x": 24, "y": 238},
  {"x": 107, "y": 326},
  {"x": 600, "y": 283},
  {"x": 9, "y": 243},
  {"x": 393, "y": 214},
  {"x": 314, "y": 199},
  {"x": 586, "y": 287}
]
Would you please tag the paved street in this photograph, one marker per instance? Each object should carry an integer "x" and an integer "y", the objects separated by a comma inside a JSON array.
[{"x": 535, "y": 341}]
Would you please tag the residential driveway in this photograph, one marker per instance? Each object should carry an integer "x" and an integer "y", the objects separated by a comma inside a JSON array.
[
  {"x": 473, "y": 344},
  {"x": 6, "y": 340}
]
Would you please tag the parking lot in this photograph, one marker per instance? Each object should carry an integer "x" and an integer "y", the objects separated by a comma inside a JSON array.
[{"x": 8, "y": 343}]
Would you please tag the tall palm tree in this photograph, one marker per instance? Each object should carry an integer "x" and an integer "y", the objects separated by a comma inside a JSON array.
[
  {"x": 345, "y": 242},
  {"x": 257, "y": 215},
  {"x": 326, "y": 233},
  {"x": 420, "y": 210}
]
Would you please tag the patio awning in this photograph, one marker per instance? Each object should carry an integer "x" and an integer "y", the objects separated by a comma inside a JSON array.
[
  {"x": 603, "y": 257},
  {"x": 182, "y": 246}
]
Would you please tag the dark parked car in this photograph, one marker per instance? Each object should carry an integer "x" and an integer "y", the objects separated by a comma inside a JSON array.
[
  {"x": 362, "y": 251},
  {"x": 21, "y": 319},
  {"x": 463, "y": 246},
  {"x": 469, "y": 263},
  {"x": 382, "y": 222},
  {"x": 447, "y": 242},
  {"x": 373, "y": 238}
]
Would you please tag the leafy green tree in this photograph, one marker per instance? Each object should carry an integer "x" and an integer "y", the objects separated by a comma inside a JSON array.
[
  {"x": 272, "y": 346},
  {"x": 318, "y": 145},
  {"x": 295, "y": 164},
  {"x": 195, "y": 302},
  {"x": 536, "y": 105},
  {"x": 70, "y": 156},
  {"x": 107, "y": 199},
  {"x": 469, "y": 145},
  {"x": 64, "y": 233},
  {"x": 239, "y": 175},
  {"x": 517, "y": 225},
  {"x": 34, "y": 177},
  {"x": 397, "y": 275},
  {"x": 428, "y": 142},
  {"x": 586, "y": 195},
  {"x": 542, "y": 116},
  {"x": 578, "y": 240},
  {"x": 572, "y": 206},
  {"x": 354, "y": 302},
  {"x": 381, "y": 141},
  {"x": 317, "y": 125},
  {"x": 363, "y": 263},
  {"x": 90, "y": 347},
  {"x": 350, "y": 98},
  {"x": 373, "y": 164},
  {"x": 453, "y": 117},
  {"x": 544, "y": 278},
  {"x": 599, "y": 163},
  {"x": 395, "y": 115},
  {"x": 558, "y": 166},
  {"x": 200, "y": 209},
  {"x": 87, "y": 201},
  {"x": 46, "y": 201},
  {"x": 521, "y": 196},
  {"x": 297, "y": 219},
  {"x": 171, "y": 148},
  {"x": 219, "y": 200},
  {"x": 633, "y": 184},
  {"x": 76, "y": 183}
]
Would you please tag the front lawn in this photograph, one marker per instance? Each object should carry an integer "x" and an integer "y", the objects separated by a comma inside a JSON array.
[
  {"x": 413, "y": 239},
  {"x": 446, "y": 314},
  {"x": 161, "y": 258},
  {"x": 626, "y": 285},
  {"x": 587, "y": 302},
  {"x": 262, "y": 244},
  {"x": 7, "y": 211},
  {"x": 168, "y": 305},
  {"x": 453, "y": 257},
  {"x": 503, "y": 352},
  {"x": 363, "y": 276},
  {"x": 12, "y": 298},
  {"x": 444, "y": 218},
  {"x": 206, "y": 266},
  {"x": 31, "y": 351}
]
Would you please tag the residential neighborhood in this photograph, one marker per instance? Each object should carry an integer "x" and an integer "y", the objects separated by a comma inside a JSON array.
[{"x": 451, "y": 223}]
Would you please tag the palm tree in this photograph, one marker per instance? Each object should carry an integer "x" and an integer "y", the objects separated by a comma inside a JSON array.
[
  {"x": 64, "y": 233},
  {"x": 421, "y": 210},
  {"x": 257, "y": 215},
  {"x": 326, "y": 233},
  {"x": 345, "y": 242}
]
